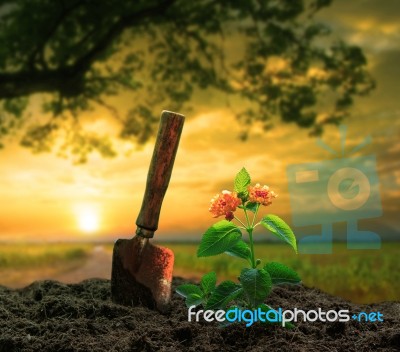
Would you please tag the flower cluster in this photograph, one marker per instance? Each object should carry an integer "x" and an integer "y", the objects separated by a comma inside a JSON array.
[
  {"x": 261, "y": 194},
  {"x": 224, "y": 203}
]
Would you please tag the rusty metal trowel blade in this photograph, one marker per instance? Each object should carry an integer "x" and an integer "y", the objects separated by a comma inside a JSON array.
[{"x": 141, "y": 282}]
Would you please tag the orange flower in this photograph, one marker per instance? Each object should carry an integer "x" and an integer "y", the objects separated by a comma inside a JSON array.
[
  {"x": 224, "y": 204},
  {"x": 262, "y": 195}
]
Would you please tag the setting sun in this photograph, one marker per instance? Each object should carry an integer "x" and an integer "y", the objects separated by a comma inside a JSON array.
[{"x": 88, "y": 219}]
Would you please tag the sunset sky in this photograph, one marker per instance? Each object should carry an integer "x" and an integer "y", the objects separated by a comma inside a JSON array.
[{"x": 48, "y": 198}]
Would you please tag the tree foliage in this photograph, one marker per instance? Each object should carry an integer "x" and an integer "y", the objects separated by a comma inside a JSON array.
[{"x": 77, "y": 54}]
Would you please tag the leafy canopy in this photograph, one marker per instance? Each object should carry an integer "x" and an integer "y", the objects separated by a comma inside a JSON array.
[{"x": 78, "y": 54}]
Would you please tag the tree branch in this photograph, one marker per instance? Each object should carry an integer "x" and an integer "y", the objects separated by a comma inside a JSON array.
[
  {"x": 116, "y": 30},
  {"x": 39, "y": 50},
  {"x": 69, "y": 80}
]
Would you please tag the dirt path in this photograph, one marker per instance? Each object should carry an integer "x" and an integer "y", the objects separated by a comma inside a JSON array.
[{"x": 98, "y": 265}]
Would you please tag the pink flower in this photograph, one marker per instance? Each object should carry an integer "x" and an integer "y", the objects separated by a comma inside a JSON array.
[
  {"x": 262, "y": 195},
  {"x": 224, "y": 203}
]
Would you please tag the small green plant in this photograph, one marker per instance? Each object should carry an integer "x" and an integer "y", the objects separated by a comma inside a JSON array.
[{"x": 257, "y": 278}]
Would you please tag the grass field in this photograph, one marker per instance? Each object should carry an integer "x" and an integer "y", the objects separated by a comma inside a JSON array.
[
  {"x": 362, "y": 276},
  {"x": 36, "y": 255},
  {"x": 21, "y": 264}
]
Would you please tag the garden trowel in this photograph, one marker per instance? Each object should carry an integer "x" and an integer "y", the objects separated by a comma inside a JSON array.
[{"x": 141, "y": 272}]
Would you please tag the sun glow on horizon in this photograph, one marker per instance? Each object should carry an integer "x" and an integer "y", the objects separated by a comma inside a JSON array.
[{"x": 88, "y": 218}]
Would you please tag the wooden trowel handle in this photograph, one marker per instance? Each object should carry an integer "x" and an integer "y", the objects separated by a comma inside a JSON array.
[{"x": 160, "y": 171}]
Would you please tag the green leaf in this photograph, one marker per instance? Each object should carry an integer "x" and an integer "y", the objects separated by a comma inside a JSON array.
[
  {"x": 281, "y": 274},
  {"x": 242, "y": 180},
  {"x": 192, "y": 293},
  {"x": 187, "y": 289},
  {"x": 224, "y": 293},
  {"x": 256, "y": 284},
  {"x": 193, "y": 300},
  {"x": 208, "y": 282},
  {"x": 280, "y": 229},
  {"x": 219, "y": 238},
  {"x": 252, "y": 206},
  {"x": 266, "y": 308},
  {"x": 240, "y": 250}
]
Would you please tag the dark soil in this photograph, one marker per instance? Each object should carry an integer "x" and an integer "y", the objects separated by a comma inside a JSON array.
[{"x": 51, "y": 316}]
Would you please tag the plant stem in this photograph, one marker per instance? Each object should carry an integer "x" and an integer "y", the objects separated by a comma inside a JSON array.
[
  {"x": 253, "y": 262},
  {"x": 255, "y": 215},
  {"x": 250, "y": 232},
  {"x": 247, "y": 217},
  {"x": 240, "y": 222}
]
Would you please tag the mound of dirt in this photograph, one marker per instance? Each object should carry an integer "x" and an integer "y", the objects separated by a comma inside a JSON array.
[{"x": 52, "y": 316}]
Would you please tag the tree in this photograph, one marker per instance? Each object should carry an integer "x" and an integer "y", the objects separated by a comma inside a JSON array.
[{"x": 77, "y": 54}]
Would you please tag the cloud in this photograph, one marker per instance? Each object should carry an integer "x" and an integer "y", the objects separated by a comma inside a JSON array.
[
  {"x": 384, "y": 11},
  {"x": 371, "y": 24}
]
